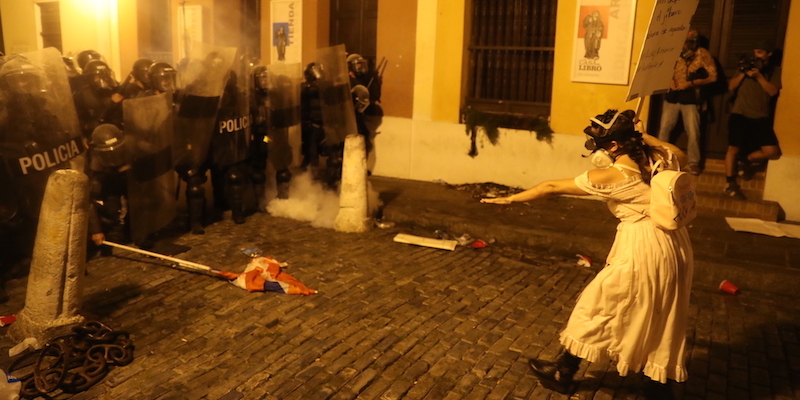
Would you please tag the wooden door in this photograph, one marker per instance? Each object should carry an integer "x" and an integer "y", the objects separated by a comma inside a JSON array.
[{"x": 354, "y": 23}]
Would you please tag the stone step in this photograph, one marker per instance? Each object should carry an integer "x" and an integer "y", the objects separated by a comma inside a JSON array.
[
  {"x": 712, "y": 200},
  {"x": 720, "y": 204}
]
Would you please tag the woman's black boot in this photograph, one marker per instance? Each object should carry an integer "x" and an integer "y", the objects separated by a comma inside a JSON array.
[{"x": 557, "y": 375}]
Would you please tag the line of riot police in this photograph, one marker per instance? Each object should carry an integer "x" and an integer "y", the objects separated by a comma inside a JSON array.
[{"x": 221, "y": 115}]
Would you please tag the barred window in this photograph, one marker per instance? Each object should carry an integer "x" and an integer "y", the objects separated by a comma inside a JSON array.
[{"x": 510, "y": 52}]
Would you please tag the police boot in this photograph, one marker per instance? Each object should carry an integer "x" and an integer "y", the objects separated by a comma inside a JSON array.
[
  {"x": 235, "y": 180},
  {"x": 557, "y": 376},
  {"x": 195, "y": 198},
  {"x": 283, "y": 178},
  {"x": 261, "y": 197}
]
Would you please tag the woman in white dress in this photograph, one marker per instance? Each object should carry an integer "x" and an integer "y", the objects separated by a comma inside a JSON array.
[{"x": 635, "y": 310}]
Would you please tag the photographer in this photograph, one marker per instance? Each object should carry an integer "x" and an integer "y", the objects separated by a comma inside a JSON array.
[
  {"x": 750, "y": 132},
  {"x": 694, "y": 68}
]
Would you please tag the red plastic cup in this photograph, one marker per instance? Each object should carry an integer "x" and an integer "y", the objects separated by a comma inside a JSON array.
[
  {"x": 479, "y": 244},
  {"x": 728, "y": 287}
]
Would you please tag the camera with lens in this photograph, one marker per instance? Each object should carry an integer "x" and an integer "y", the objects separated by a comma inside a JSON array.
[{"x": 746, "y": 63}]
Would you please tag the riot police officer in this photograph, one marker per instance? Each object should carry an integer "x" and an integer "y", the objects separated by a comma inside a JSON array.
[
  {"x": 82, "y": 59},
  {"x": 33, "y": 144},
  {"x": 93, "y": 101},
  {"x": 109, "y": 165},
  {"x": 311, "y": 117},
  {"x": 259, "y": 148},
  {"x": 229, "y": 149},
  {"x": 137, "y": 80}
]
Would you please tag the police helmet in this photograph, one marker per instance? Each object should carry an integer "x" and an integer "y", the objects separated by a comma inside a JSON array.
[
  {"x": 312, "y": 72},
  {"x": 108, "y": 144},
  {"x": 360, "y": 97},
  {"x": 260, "y": 77},
  {"x": 87, "y": 55},
  {"x": 20, "y": 76},
  {"x": 162, "y": 77},
  {"x": 100, "y": 75},
  {"x": 357, "y": 64},
  {"x": 139, "y": 71}
]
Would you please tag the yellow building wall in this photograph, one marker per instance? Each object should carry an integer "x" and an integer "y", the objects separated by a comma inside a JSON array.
[
  {"x": 449, "y": 56},
  {"x": 19, "y": 28},
  {"x": 396, "y": 42},
  {"x": 787, "y": 119}
]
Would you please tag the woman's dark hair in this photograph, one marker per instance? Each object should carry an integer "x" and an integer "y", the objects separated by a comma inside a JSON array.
[{"x": 624, "y": 132}]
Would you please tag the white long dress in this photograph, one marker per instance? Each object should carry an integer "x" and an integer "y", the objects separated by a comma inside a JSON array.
[{"x": 635, "y": 310}]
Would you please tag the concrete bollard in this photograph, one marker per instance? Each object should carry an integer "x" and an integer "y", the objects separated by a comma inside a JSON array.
[
  {"x": 353, "y": 205},
  {"x": 53, "y": 297}
]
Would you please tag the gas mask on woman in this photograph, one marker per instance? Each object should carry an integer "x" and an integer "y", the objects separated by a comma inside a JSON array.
[{"x": 601, "y": 158}]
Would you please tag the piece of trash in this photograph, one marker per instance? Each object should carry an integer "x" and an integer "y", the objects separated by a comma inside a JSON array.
[
  {"x": 727, "y": 287},
  {"x": 464, "y": 239},
  {"x": 426, "y": 242},
  {"x": 584, "y": 261},
  {"x": 384, "y": 225},
  {"x": 7, "y": 320},
  {"x": 252, "y": 252},
  {"x": 479, "y": 244},
  {"x": 29, "y": 343},
  {"x": 441, "y": 234}
]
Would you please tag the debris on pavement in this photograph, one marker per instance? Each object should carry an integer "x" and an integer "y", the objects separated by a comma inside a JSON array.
[
  {"x": 728, "y": 287},
  {"x": 252, "y": 252},
  {"x": 479, "y": 244},
  {"x": 384, "y": 224},
  {"x": 21, "y": 347},
  {"x": 464, "y": 239},
  {"x": 584, "y": 261},
  {"x": 7, "y": 320},
  {"x": 426, "y": 242}
]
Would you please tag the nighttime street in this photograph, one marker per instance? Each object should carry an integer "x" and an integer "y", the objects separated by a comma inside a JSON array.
[{"x": 396, "y": 321}]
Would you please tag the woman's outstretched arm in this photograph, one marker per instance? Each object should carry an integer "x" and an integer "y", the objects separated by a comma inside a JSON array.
[{"x": 541, "y": 191}]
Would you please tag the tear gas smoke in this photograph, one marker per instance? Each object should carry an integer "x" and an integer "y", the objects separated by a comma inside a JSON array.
[{"x": 310, "y": 201}]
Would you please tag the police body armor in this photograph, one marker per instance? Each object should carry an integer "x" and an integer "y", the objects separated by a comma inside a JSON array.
[
  {"x": 149, "y": 139},
  {"x": 231, "y": 142},
  {"x": 40, "y": 131},
  {"x": 284, "y": 113}
]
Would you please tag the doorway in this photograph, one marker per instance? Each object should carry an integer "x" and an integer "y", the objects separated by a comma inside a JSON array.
[
  {"x": 730, "y": 28},
  {"x": 354, "y": 23}
]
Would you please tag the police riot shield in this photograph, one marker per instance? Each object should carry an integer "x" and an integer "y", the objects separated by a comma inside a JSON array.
[
  {"x": 202, "y": 81},
  {"x": 151, "y": 182},
  {"x": 39, "y": 130},
  {"x": 284, "y": 110},
  {"x": 338, "y": 116},
  {"x": 232, "y": 136}
]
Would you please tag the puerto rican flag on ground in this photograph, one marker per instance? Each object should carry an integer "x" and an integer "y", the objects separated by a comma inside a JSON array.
[{"x": 264, "y": 274}]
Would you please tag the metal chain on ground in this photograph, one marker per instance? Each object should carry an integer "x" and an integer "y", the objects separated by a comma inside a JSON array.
[{"x": 75, "y": 362}]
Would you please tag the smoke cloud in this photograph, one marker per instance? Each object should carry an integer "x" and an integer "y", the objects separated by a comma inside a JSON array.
[{"x": 310, "y": 201}]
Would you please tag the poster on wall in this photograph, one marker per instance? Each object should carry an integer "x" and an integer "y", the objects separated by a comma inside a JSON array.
[
  {"x": 286, "y": 31},
  {"x": 662, "y": 46},
  {"x": 603, "y": 41}
]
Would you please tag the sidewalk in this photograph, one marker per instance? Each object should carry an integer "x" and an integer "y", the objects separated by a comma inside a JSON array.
[{"x": 583, "y": 226}]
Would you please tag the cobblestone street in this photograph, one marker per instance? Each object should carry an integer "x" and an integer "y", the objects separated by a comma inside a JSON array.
[{"x": 393, "y": 321}]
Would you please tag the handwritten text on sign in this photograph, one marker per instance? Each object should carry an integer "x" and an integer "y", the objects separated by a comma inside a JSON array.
[{"x": 662, "y": 45}]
